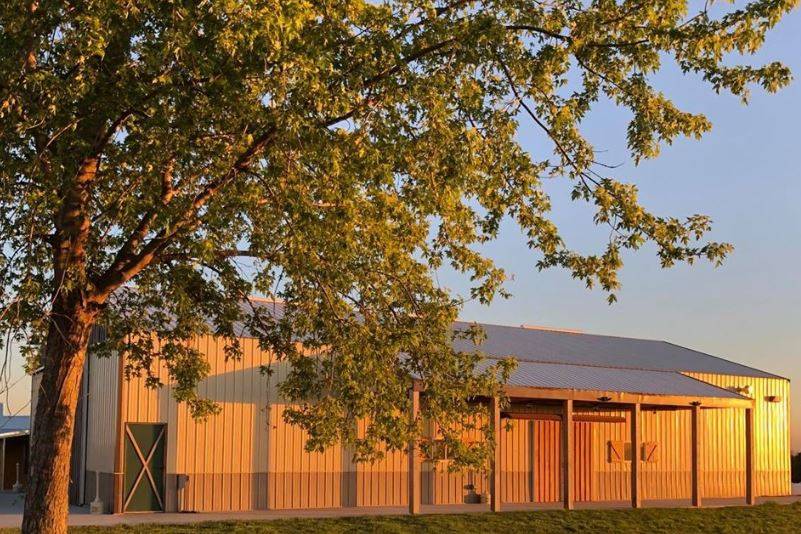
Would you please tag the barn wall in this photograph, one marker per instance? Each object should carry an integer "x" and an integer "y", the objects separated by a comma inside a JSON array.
[
  {"x": 531, "y": 457},
  {"x": 247, "y": 457},
  {"x": 102, "y": 413},
  {"x": 517, "y": 460},
  {"x": 441, "y": 485},
  {"x": 771, "y": 439},
  {"x": 300, "y": 479},
  {"x": 219, "y": 463},
  {"x": 384, "y": 482},
  {"x": 99, "y": 400},
  {"x": 669, "y": 474}
]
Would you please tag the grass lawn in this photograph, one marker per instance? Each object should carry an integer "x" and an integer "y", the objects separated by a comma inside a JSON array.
[{"x": 767, "y": 518}]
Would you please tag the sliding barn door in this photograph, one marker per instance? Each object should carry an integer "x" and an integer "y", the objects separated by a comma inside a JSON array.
[{"x": 144, "y": 467}]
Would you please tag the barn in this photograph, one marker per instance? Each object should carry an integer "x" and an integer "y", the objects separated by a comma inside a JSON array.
[{"x": 592, "y": 418}]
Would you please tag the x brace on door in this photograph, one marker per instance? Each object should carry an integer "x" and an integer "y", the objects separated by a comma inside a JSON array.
[{"x": 145, "y": 471}]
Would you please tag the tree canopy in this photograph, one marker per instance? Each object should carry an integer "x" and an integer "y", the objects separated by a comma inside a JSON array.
[{"x": 160, "y": 161}]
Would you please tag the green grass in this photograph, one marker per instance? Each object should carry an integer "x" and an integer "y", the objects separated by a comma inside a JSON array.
[{"x": 767, "y": 518}]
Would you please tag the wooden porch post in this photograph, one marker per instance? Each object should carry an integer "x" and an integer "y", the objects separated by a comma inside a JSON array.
[
  {"x": 750, "y": 471},
  {"x": 696, "y": 455},
  {"x": 636, "y": 497},
  {"x": 567, "y": 454},
  {"x": 495, "y": 471},
  {"x": 414, "y": 457}
]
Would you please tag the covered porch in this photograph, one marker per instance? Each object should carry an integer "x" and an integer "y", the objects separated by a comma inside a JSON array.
[{"x": 572, "y": 436}]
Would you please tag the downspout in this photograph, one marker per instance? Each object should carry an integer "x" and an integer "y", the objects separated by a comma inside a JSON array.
[
  {"x": 119, "y": 452},
  {"x": 84, "y": 435}
]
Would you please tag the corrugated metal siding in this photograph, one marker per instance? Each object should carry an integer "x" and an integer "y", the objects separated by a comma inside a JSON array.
[
  {"x": 530, "y": 457},
  {"x": 669, "y": 477},
  {"x": 442, "y": 486},
  {"x": 611, "y": 480},
  {"x": 228, "y": 457},
  {"x": 102, "y": 413},
  {"x": 384, "y": 482},
  {"x": 722, "y": 453},
  {"x": 583, "y": 462},
  {"x": 300, "y": 479},
  {"x": 225, "y": 456},
  {"x": 771, "y": 437},
  {"x": 517, "y": 461},
  {"x": 548, "y": 455}
]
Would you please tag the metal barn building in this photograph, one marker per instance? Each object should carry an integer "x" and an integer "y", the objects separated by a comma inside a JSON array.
[{"x": 592, "y": 418}]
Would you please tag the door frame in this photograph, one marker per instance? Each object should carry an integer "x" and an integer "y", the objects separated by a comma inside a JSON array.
[{"x": 145, "y": 472}]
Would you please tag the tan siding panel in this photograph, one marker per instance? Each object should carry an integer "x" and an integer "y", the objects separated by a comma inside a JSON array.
[
  {"x": 517, "y": 470},
  {"x": 456, "y": 487},
  {"x": 302, "y": 479},
  {"x": 383, "y": 482},
  {"x": 724, "y": 440},
  {"x": 102, "y": 413},
  {"x": 669, "y": 477},
  {"x": 220, "y": 455}
]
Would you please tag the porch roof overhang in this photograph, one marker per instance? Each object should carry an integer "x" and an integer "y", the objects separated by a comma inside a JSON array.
[
  {"x": 618, "y": 397},
  {"x": 608, "y": 385},
  {"x": 616, "y": 385}
]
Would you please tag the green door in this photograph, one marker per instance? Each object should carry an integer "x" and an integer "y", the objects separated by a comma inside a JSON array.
[{"x": 144, "y": 467}]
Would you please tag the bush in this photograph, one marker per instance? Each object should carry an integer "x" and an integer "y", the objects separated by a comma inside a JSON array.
[{"x": 795, "y": 468}]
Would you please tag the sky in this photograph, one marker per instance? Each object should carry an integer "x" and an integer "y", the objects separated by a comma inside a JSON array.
[{"x": 745, "y": 174}]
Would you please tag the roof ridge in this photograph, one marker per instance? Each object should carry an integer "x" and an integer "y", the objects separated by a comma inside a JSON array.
[
  {"x": 764, "y": 374},
  {"x": 558, "y": 330},
  {"x": 598, "y": 366}
]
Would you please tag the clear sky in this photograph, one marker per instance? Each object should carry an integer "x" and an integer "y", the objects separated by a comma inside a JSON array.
[{"x": 745, "y": 174}]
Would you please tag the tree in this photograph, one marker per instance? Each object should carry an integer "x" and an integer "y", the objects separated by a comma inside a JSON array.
[{"x": 161, "y": 161}]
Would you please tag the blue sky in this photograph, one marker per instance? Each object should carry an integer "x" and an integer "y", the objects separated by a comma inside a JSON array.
[{"x": 745, "y": 174}]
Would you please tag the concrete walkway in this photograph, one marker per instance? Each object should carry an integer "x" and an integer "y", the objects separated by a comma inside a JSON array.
[{"x": 11, "y": 511}]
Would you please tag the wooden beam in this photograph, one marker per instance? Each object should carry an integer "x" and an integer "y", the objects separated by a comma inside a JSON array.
[
  {"x": 530, "y": 416},
  {"x": 582, "y": 418},
  {"x": 567, "y": 454},
  {"x": 696, "y": 455},
  {"x": 750, "y": 470},
  {"x": 617, "y": 397},
  {"x": 636, "y": 497},
  {"x": 495, "y": 467},
  {"x": 599, "y": 419},
  {"x": 414, "y": 456}
]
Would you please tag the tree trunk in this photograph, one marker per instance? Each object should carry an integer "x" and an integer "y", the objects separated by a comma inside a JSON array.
[{"x": 46, "y": 499}]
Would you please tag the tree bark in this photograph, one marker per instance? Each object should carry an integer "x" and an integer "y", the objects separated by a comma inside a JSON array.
[{"x": 46, "y": 500}]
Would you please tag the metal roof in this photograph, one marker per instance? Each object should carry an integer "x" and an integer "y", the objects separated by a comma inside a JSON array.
[
  {"x": 567, "y": 347},
  {"x": 580, "y": 377},
  {"x": 538, "y": 345}
]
